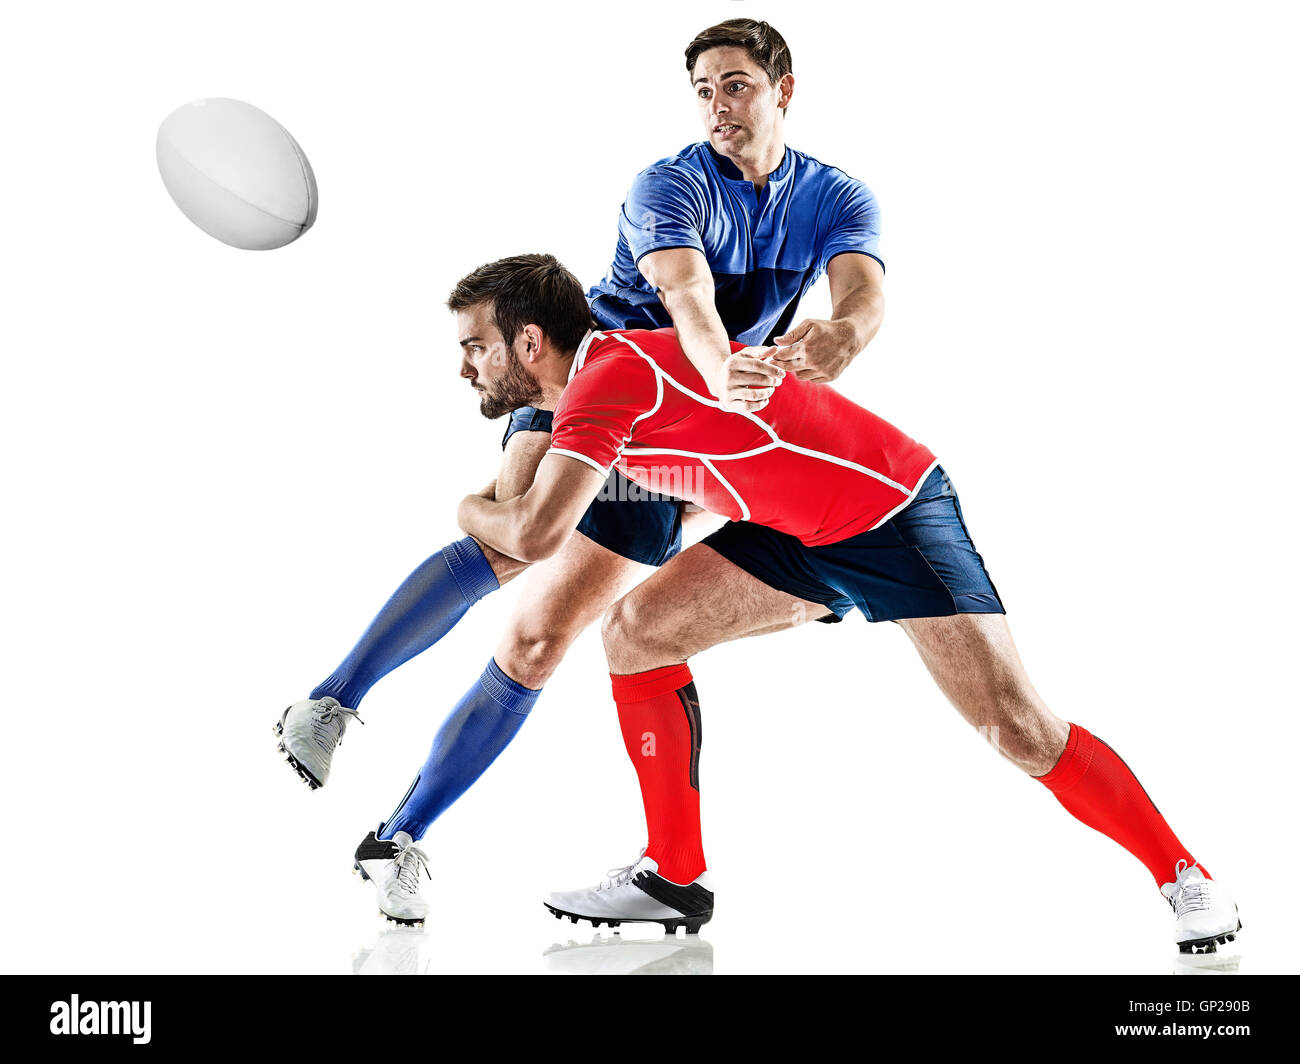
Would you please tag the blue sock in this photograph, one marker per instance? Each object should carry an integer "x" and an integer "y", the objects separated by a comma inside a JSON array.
[
  {"x": 479, "y": 728},
  {"x": 425, "y": 608}
]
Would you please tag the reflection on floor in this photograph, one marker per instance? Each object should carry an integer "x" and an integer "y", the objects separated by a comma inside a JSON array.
[
  {"x": 395, "y": 952},
  {"x": 612, "y": 954}
]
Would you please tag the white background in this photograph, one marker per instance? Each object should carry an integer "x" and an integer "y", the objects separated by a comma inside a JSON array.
[{"x": 218, "y": 464}]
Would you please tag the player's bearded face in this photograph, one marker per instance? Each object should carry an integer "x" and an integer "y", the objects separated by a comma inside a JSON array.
[{"x": 509, "y": 387}]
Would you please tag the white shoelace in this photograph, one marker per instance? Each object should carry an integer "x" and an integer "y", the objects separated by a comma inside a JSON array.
[
  {"x": 328, "y": 724},
  {"x": 616, "y": 877},
  {"x": 1189, "y": 894},
  {"x": 409, "y": 860}
]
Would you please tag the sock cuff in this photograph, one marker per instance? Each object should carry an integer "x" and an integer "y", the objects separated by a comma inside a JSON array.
[
  {"x": 505, "y": 692},
  {"x": 1074, "y": 761},
  {"x": 470, "y": 569},
  {"x": 642, "y": 686}
]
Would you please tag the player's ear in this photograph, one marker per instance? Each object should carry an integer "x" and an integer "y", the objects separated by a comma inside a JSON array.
[
  {"x": 532, "y": 342},
  {"x": 785, "y": 89}
]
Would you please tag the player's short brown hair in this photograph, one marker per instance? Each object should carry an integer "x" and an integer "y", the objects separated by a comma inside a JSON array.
[
  {"x": 761, "y": 42},
  {"x": 528, "y": 290}
]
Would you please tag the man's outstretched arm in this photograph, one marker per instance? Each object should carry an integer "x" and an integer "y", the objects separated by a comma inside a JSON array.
[
  {"x": 682, "y": 278},
  {"x": 534, "y": 525},
  {"x": 819, "y": 350}
]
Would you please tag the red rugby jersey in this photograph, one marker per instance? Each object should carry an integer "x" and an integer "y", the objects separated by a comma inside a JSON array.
[{"x": 811, "y": 463}]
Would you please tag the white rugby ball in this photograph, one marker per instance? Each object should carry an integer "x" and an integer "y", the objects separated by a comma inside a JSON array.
[{"x": 237, "y": 174}]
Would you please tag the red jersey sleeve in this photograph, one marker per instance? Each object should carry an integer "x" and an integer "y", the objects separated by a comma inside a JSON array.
[{"x": 598, "y": 412}]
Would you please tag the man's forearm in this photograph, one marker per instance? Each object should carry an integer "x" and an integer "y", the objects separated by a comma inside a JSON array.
[
  {"x": 861, "y": 310},
  {"x": 499, "y": 525},
  {"x": 700, "y": 331}
]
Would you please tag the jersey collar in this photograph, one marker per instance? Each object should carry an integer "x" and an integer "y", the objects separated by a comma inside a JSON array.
[
  {"x": 580, "y": 356},
  {"x": 731, "y": 171}
]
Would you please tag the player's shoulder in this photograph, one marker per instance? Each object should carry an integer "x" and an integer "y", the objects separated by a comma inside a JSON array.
[
  {"x": 613, "y": 373},
  {"x": 638, "y": 356},
  {"x": 641, "y": 345},
  {"x": 813, "y": 169},
  {"x": 686, "y": 167}
]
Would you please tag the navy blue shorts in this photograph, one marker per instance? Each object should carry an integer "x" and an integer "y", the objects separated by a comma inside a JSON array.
[
  {"x": 920, "y": 563},
  {"x": 624, "y": 518}
]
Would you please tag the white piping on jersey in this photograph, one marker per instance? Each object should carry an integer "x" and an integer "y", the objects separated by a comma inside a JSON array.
[
  {"x": 579, "y": 360},
  {"x": 910, "y": 496},
  {"x": 692, "y": 394},
  {"x": 580, "y": 355},
  {"x": 581, "y": 458},
  {"x": 661, "y": 376},
  {"x": 697, "y": 454},
  {"x": 744, "y": 510},
  {"x": 659, "y": 401}
]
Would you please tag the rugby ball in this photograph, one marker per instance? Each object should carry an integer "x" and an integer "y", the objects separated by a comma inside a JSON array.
[{"x": 237, "y": 174}]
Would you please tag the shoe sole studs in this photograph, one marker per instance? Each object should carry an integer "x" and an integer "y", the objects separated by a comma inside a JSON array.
[
  {"x": 1211, "y": 944},
  {"x": 399, "y": 921},
  {"x": 691, "y": 923},
  {"x": 312, "y": 782}
]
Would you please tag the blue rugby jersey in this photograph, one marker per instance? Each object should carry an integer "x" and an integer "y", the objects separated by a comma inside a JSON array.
[{"x": 765, "y": 249}]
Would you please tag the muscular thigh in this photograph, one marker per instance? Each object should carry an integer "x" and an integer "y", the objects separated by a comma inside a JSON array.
[
  {"x": 974, "y": 660},
  {"x": 561, "y": 597},
  {"x": 696, "y": 601}
]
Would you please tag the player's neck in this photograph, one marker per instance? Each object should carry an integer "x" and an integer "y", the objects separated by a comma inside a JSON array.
[
  {"x": 756, "y": 166},
  {"x": 553, "y": 379}
]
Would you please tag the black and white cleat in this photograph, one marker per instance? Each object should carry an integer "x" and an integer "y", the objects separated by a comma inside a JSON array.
[
  {"x": 637, "y": 894},
  {"x": 393, "y": 867},
  {"x": 1209, "y": 945}
]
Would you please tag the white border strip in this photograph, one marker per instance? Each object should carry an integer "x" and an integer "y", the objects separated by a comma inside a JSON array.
[
  {"x": 744, "y": 510},
  {"x": 711, "y": 457},
  {"x": 602, "y": 470},
  {"x": 910, "y": 496},
  {"x": 771, "y": 432}
]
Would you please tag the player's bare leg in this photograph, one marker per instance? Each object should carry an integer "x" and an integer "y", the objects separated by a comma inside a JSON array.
[
  {"x": 696, "y": 601},
  {"x": 564, "y": 595},
  {"x": 973, "y": 659}
]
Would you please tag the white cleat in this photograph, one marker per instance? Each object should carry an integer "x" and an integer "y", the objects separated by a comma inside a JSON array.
[
  {"x": 309, "y": 733},
  {"x": 393, "y": 866},
  {"x": 1205, "y": 916},
  {"x": 638, "y": 894}
]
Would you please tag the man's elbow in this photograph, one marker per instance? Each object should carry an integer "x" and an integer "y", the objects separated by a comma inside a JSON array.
[
  {"x": 679, "y": 294},
  {"x": 539, "y": 540}
]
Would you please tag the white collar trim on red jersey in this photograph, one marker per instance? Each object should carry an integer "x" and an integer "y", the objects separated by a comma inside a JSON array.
[{"x": 580, "y": 356}]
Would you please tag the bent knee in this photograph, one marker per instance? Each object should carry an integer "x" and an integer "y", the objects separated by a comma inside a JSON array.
[
  {"x": 625, "y": 625},
  {"x": 1027, "y": 733},
  {"x": 634, "y": 641},
  {"x": 530, "y": 654}
]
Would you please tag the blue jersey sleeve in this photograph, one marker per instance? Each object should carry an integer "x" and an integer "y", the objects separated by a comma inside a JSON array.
[
  {"x": 855, "y": 224},
  {"x": 663, "y": 209}
]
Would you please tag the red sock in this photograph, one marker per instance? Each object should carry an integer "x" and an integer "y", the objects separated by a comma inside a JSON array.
[
  {"x": 1095, "y": 786},
  {"x": 659, "y": 713}
]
